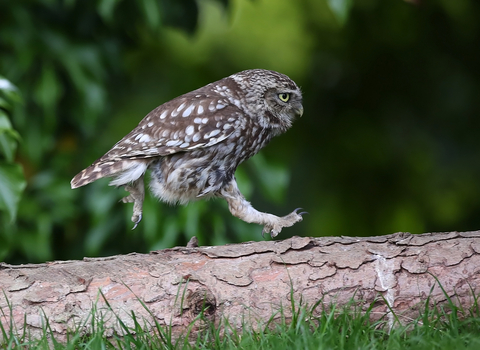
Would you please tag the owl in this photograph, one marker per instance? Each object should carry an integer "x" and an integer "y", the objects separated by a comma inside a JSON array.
[{"x": 193, "y": 144}]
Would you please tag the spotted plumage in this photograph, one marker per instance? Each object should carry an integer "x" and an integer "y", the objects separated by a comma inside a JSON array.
[{"x": 194, "y": 143}]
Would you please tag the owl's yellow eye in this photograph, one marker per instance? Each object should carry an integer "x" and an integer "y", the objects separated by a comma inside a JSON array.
[{"x": 284, "y": 97}]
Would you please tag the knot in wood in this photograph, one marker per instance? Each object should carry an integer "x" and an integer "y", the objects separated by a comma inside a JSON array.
[{"x": 201, "y": 302}]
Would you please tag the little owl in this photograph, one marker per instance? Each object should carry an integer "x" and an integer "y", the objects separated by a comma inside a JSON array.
[{"x": 194, "y": 143}]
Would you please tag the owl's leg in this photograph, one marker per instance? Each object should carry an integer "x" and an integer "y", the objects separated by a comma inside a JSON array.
[
  {"x": 242, "y": 209},
  {"x": 136, "y": 196}
]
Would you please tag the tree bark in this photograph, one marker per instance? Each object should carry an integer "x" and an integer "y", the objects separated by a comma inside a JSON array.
[{"x": 245, "y": 282}]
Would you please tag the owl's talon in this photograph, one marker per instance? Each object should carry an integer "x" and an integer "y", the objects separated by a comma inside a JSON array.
[
  {"x": 269, "y": 229},
  {"x": 286, "y": 221},
  {"x": 137, "y": 221}
]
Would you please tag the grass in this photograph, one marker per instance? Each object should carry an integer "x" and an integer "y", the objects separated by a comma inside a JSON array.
[{"x": 441, "y": 327}]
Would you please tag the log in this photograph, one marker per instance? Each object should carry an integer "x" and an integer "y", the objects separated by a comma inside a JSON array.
[{"x": 245, "y": 282}]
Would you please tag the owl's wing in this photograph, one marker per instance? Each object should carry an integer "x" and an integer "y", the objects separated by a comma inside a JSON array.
[{"x": 188, "y": 122}]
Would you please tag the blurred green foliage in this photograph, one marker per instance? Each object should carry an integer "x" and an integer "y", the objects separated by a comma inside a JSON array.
[
  {"x": 12, "y": 181},
  {"x": 388, "y": 141}
]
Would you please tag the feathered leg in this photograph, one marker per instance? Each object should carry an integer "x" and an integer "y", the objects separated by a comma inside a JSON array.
[
  {"x": 242, "y": 209},
  {"x": 136, "y": 196}
]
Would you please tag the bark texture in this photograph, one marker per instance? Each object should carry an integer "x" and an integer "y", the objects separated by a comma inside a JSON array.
[{"x": 245, "y": 282}]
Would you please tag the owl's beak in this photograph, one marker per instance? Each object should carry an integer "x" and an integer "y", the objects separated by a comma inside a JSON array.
[{"x": 299, "y": 111}]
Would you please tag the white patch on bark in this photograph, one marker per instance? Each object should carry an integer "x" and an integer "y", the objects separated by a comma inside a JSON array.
[{"x": 386, "y": 276}]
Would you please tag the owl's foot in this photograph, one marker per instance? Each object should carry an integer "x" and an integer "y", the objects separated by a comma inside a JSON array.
[
  {"x": 242, "y": 209},
  {"x": 275, "y": 224},
  {"x": 136, "y": 196}
]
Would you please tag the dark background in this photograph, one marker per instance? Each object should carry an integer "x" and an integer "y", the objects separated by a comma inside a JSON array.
[{"x": 389, "y": 140}]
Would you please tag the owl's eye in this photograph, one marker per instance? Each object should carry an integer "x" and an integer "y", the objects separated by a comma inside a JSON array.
[{"x": 284, "y": 97}]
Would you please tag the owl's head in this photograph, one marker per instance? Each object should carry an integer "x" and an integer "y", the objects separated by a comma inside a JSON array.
[{"x": 273, "y": 97}]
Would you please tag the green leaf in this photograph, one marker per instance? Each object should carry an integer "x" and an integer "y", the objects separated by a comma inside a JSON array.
[
  {"x": 9, "y": 90},
  {"x": 12, "y": 184},
  {"x": 4, "y": 122},
  {"x": 8, "y": 137},
  {"x": 106, "y": 9},
  {"x": 6, "y": 85},
  {"x": 4, "y": 104},
  {"x": 152, "y": 13},
  {"x": 340, "y": 9}
]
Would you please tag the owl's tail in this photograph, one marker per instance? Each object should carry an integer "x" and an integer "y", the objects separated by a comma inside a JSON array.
[{"x": 126, "y": 171}]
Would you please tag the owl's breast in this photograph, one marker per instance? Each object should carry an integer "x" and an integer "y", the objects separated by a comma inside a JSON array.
[{"x": 187, "y": 176}]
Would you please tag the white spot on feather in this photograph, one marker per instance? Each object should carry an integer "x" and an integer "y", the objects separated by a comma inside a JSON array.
[
  {"x": 211, "y": 134},
  {"x": 173, "y": 143},
  {"x": 151, "y": 150},
  {"x": 197, "y": 145},
  {"x": 188, "y": 111},
  {"x": 144, "y": 138},
  {"x": 196, "y": 137},
  {"x": 189, "y": 130},
  {"x": 179, "y": 108},
  {"x": 164, "y": 114},
  {"x": 200, "y": 109},
  {"x": 132, "y": 173},
  {"x": 177, "y": 111}
]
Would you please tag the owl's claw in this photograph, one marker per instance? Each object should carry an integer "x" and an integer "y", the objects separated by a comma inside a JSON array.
[
  {"x": 136, "y": 220},
  {"x": 277, "y": 223},
  {"x": 302, "y": 213},
  {"x": 264, "y": 231}
]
